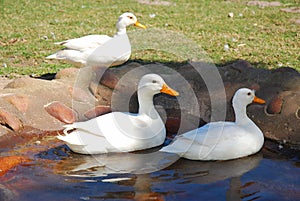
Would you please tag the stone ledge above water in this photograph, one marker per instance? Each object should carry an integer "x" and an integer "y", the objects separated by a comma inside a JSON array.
[{"x": 23, "y": 100}]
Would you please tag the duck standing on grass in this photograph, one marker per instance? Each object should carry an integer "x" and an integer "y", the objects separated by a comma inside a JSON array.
[
  {"x": 79, "y": 51},
  {"x": 120, "y": 131},
  {"x": 222, "y": 140}
]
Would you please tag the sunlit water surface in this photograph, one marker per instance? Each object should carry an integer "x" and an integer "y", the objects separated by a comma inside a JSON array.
[{"x": 58, "y": 174}]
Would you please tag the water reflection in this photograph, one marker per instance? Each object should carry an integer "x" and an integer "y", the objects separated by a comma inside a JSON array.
[
  {"x": 7, "y": 194},
  {"x": 114, "y": 163},
  {"x": 58, "y": 174},
  {"x": 113, "y": 168},
  {"x": 198, "y": 172},
  {"x": 208, "y": 172}
]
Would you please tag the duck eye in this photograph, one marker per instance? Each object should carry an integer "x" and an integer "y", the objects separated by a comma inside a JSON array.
[
  {"x": 249, "y": 93},
  {"x": 154, "y": 81},
  {"x": 130, "y": 17}
]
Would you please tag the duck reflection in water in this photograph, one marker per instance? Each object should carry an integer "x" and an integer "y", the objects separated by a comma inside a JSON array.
[{"x": 134, "y": 170}]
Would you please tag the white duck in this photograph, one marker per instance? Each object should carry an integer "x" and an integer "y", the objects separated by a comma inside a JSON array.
[
  {"x": 78, "y": 50},
  {"x": 119, "y": 131},
  {"x": 222, "y": 140}
]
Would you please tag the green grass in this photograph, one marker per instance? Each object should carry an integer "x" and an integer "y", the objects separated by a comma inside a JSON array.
[{"x": 270, "y": 39}]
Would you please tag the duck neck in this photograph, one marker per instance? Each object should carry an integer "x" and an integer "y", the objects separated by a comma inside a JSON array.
[
  {"x": 146, "y": 105},
  {"x": 240, "y": 114},
  {"x": 121, "y": 29}
]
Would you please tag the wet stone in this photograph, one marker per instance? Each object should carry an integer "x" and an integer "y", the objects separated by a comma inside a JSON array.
[{"x": 61, "y": 112}]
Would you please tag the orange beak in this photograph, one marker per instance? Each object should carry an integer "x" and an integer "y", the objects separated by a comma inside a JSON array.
[
  {"x": 137, "y": 24},
  {"x": 167, "y": 90},
  {"x": 258, "y": 100}
]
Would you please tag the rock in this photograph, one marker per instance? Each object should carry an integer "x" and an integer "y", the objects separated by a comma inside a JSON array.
[
  {"x": 67, "y": 73},
  {"x": 20, "y": 83},
  {"x": 61, "y": 112},
  {"x": 4, "y": 81},
  {"x": 172, "y": 124},
  {"x": 109, "y": 79},
  {"x": 27, "y": 102},
  {"x": 79, "y": 94},
  {"x": 97, "y": 111},
  {"x": 255, "y": 87},
  {"x": 241, "y": 65},
  {"x": 275, "y": 105},
  {"x": 178, "y": 125},
  {"x": 280, "y": 88},
  {"x": 19, "y": 101},
  {"x": 285, "y": 70},
  {"x": 197, "y": 104},
  {"x": 102, "y": 93},
  {"x": 10, "y": 120}
]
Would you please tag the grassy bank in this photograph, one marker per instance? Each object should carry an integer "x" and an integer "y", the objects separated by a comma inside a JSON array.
[{"x": 265, "y": 36}]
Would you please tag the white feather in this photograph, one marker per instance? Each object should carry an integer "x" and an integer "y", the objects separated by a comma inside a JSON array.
[
  {"x": 122, "y": 132},
  {"x": 222, "y": 140}
]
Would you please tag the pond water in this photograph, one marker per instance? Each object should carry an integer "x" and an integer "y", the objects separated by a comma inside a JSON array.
[{"x": 58, "y": 174}]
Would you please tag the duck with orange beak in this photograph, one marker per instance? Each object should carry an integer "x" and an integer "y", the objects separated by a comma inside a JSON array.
[
  {"x": 120, "y": 131},
  {"x": 222, "y": 140},
  {"x": 81, "y": 51}
]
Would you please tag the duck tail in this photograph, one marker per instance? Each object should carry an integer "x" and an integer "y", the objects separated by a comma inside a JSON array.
[
  {"x": 68, "y": 128},
  {"x": 66, "y": 133},
  {"x": 61, "y": 137},
  {"x": 60, "y": 43},
  {"x": 52, "y": 56}
]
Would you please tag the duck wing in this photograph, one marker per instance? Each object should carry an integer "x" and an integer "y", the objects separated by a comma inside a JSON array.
[
  {"x": 118, "y": 49},
  {"x": 208, "y": 133},
  {"x": 91, "y": 126},
  {"x": 70, "y": 55},
  {"x": 84, "y": 142},
  {"x": 206, "y": 137},
  {"x": 90, "y": 41}
]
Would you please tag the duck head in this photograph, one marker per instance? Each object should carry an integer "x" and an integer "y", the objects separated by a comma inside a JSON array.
[
  {"x": 245, "y": 96},
  {"x": 150, "y": 85},
  {"x": 127, "y": 19},
  {"x": 153, "y": 84},
  {"x": 241, "y": 99}
]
